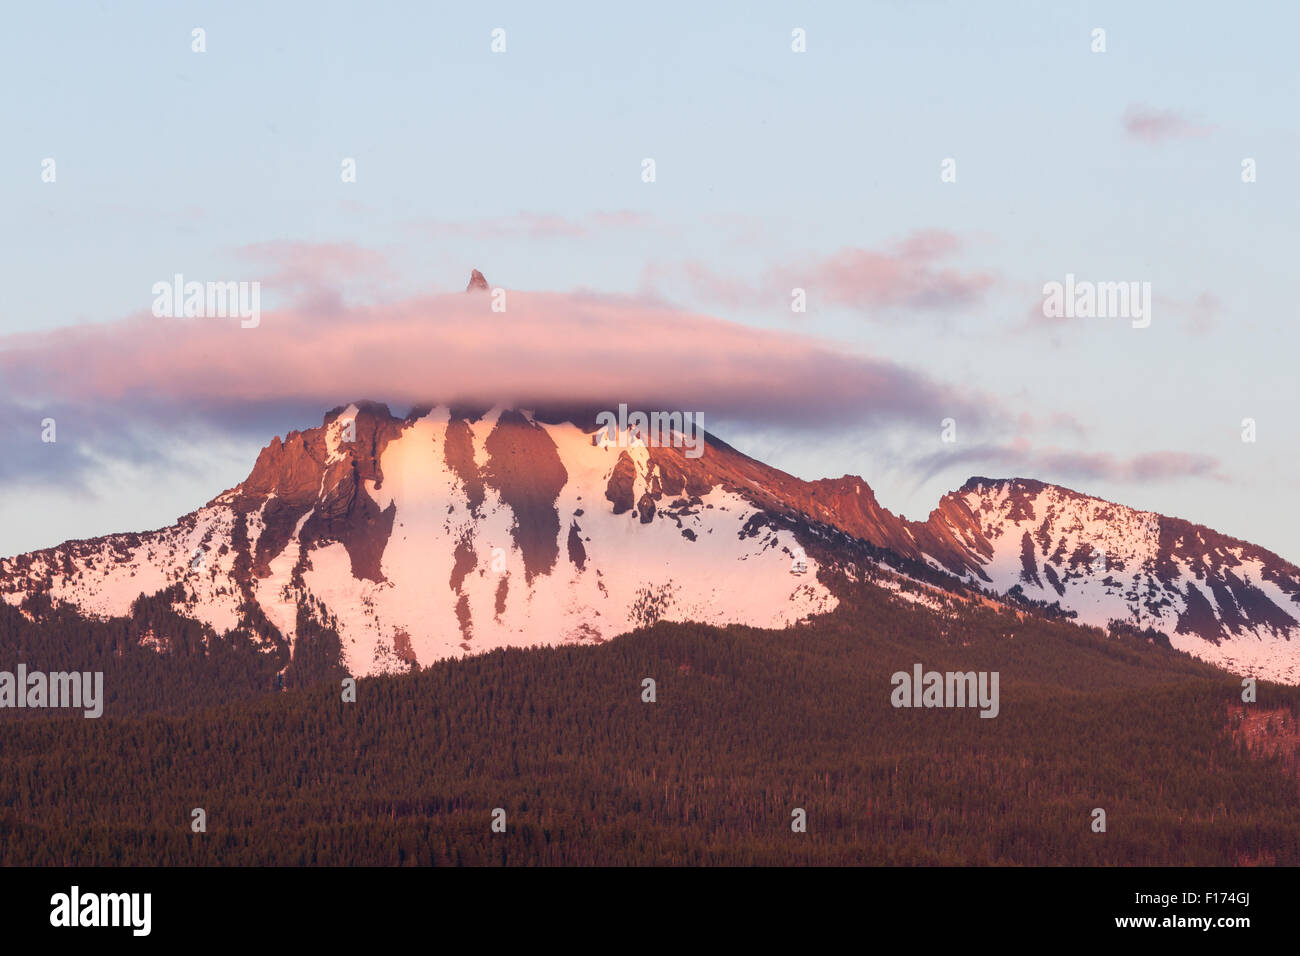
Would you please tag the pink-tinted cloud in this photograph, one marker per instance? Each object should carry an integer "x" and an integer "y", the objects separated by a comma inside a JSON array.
[
  {"x": 710, "y": 286},
  {"x": 314, "y": 273},
  {"x": 1154, "y": 126},
  {"x": 1150, "y": 466},
  {"x": 1066, "y": 422},
  {"x": 545, "y": 349},
  {"x": 1198, "y": 314},
  {"x": 1020, "y": 459},
  {"x": 1203, "y": 313},
  {"x": 907, "y": 275}
]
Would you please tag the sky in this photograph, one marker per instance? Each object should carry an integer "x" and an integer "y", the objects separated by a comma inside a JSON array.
[{"x": 774, "y": 170}]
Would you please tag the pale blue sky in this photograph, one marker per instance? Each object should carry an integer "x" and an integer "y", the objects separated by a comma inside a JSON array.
[{"x": 767, "y": 161}]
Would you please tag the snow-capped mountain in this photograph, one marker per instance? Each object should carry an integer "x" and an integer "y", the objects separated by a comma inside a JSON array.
[
  {"x": 452, "y": 531},
  {"x": 455, "y": 531},
  {"x": 1223, "y": 600}
]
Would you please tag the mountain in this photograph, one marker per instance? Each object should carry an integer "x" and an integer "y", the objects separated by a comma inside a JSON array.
[
  {"x": 458, "y": 530},
  {"x": 1226, "y": 601},
  {"x": 451, "y": 531},
  {"x": 749, "y": 724}
]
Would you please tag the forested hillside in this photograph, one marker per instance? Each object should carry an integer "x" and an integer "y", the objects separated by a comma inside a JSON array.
[
  {"x": 158, "y": 662},
  {"x": 747, "y": 726}
]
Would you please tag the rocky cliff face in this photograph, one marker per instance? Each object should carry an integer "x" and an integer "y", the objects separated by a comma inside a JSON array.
[
  {"x": 1222, "y": 599},
  {"x": 455, "y": 530},
  {"x": 452, "y": 531}
]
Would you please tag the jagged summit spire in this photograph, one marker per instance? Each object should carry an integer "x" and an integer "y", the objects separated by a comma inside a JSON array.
[{"x": 476, "y": 282}]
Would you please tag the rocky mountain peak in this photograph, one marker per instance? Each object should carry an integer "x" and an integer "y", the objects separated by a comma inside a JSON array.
[{"x": 458, "y": 528}]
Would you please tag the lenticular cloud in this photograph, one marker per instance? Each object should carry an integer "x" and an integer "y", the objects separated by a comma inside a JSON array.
[{"x": 543, "y": 348}]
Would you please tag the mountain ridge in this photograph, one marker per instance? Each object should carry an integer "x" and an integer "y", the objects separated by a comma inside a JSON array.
[{"x": 546, "y": 529}]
